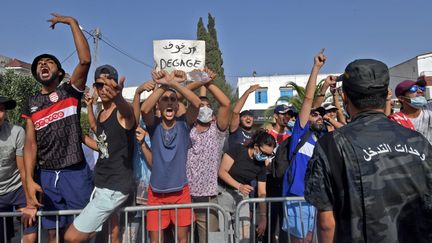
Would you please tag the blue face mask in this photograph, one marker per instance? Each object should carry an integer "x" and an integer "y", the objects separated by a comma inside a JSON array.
[
  {"x": 418, "y": 102},
  {"x": 290, "y": 124},
  {"x": 260, "y": 156}
]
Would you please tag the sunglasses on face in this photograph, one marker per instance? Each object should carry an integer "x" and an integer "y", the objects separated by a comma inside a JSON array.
[
  {"x": 414, "y": 88},
  {"x": 168, "y": 98},
  {"x": 315, "y": 114},
  {"x": 98, "y": 85},
  {"x": 266, "y": 154}
]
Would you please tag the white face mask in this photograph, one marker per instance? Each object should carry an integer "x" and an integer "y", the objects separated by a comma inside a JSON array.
[{"x": 205, "y": 114}]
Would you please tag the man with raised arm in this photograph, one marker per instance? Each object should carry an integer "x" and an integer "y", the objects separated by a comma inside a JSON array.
[
  {"x": 299, "y": 220},
  {"x": 240, "y": 129},
  {"x": 53, "y": 134},
  {"x": 204, "y": 155},
  {"x": 115, "y": 131},
  {"x": 170, "y": 140}
]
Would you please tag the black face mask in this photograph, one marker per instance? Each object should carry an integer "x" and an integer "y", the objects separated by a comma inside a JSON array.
[{"x": 48, "y": 82}]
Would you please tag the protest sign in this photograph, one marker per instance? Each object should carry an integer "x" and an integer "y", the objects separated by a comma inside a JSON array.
[{"x": 185, "y": 55}]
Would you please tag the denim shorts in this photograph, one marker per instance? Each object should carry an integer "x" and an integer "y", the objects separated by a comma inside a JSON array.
[
  {"x": 294, "y": 221},
  {"x": 97, "y": 211}
]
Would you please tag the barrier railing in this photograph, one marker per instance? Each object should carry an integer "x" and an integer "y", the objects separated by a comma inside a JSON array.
[
  {"x": 223, "y": 218},
  {"x": 193, "y": 206},
  {"x": 269, "y": 203}
]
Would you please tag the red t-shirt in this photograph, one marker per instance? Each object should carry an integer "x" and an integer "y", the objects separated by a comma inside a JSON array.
[
  {"x": 402, "y": 119},
  {"x": 279, "y": 137}
]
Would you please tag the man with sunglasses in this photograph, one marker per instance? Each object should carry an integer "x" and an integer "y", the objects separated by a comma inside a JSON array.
[
  {"x": 299, "y": 220},
  {"x": 415, "y": 113},
  {"x": 53, "y": 134}
]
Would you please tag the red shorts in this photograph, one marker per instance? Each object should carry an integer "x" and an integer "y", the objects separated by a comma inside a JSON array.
[{"x": 184, "y": 215}]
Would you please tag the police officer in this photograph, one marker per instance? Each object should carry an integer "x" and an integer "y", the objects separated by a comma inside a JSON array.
[{"x": 371, "y": 179}]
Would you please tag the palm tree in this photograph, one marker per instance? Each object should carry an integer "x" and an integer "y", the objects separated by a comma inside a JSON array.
[{"x": 296, "y": 101}]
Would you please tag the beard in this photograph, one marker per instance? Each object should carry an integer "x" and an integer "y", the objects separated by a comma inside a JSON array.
[
  {"x": 318, "y": 127},
  {"x": 48, "y": 82}
]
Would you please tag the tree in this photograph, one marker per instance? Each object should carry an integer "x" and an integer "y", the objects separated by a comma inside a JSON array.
[
  {"x": 214, "y": 59},
  {"x": 17, "y": 87}
]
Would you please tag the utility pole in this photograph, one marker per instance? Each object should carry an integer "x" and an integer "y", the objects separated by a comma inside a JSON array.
[{"x": 96, "y": 37}]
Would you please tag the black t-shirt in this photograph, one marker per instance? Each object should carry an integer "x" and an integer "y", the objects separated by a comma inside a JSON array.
[
  {"x": 114, "y": 167},
  {"x": 245, "y": 169},
  {"x": 56, "y": 119},
  {"x": 239, "y": 136}
]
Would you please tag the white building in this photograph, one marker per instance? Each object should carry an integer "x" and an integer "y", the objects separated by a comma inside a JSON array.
[
  {"x": 273, "y": 87},
  {"x": 129, "y": 93},
  {"x": 418, "y": 67}
]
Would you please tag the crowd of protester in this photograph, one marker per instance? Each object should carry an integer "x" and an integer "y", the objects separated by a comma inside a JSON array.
[{"x": 365, "y": 177}]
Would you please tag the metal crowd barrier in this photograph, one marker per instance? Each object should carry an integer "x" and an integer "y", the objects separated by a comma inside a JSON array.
[
  {"x": 223, "y": 219},
  {"x": 269, "y": 203}
]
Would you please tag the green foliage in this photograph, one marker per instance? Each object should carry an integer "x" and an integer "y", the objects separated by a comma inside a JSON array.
[
  {"x": 17, "y": 87},
  {"x": 84, "y": 121},
  {"x": 214, "y": 59}
]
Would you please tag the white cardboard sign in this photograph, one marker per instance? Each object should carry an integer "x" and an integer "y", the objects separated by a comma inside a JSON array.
[{"x": 185, "y": 55}]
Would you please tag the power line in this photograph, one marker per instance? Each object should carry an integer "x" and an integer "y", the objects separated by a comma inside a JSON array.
[
  {"x": 104, "y": 39},
  {"x": 70, "y": 55}
]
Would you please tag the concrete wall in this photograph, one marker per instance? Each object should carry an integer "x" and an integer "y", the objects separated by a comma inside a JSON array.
[{"x": 403, "y": 71}]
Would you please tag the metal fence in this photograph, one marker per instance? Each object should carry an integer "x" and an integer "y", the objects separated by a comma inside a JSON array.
[
  {"x": 230, "y": 226},
  {"x": 251, "y": 204},
  {"x": 221, "y": 236}
]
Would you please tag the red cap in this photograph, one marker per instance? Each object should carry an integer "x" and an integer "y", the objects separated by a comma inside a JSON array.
[{"x": 405, "y": 85}]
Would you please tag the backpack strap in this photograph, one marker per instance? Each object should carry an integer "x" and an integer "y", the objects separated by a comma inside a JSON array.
[
  {"x": 302, "y": 141},
  {"x": 280, "y": 160}
]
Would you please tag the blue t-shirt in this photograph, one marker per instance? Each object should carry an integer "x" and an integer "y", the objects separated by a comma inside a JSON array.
[
  {"x": 300, "y": 162},
  {"x": 169, "y": 149}
]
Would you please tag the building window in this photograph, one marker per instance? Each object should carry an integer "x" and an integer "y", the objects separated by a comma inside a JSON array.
[
  {"x": 261, "y": 96},
  {"x": 286, "y": 92}
]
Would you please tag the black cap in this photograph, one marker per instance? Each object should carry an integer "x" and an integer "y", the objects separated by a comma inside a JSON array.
[
  {"x": 365, "y": 76},
  {"x": 108, "y": 69},
  {"x": 281, "y": 109},
  {"x": 57, "y": 62},
  {"x": 292, "y": 112},
  {"x": 8, "y": 103},
  {"x": 320, "y": 110},
  {"x": 246, "y": 113}
]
